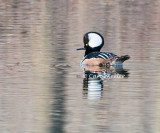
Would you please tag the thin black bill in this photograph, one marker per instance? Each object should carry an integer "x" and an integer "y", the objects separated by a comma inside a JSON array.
[{"x": 81, "y": 48}]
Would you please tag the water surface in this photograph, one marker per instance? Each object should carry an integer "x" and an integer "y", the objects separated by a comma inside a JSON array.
[{"x": 42, "y": 86}]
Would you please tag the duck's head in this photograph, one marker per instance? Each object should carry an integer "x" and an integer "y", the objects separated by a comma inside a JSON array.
[{"x": 93, "y": 42}]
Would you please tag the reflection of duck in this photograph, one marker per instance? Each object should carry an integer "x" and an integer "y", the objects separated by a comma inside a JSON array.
[
  {"x": 93, "y": 42},
  {"x": 92, "y": 85},
  {"x": 94, "y": 76},
  {"x": 105, "y": 71}
]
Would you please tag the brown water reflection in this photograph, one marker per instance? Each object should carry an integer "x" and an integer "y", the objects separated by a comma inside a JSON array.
[{"x": 41, "y": 82}]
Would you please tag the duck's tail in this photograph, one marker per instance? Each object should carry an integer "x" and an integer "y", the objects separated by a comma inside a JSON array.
[{"x": 122, "y": 58}]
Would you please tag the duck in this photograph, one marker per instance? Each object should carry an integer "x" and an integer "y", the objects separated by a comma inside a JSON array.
[{"x": 93, "y": 42}]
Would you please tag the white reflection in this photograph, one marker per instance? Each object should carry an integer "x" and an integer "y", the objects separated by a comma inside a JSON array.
[{"x": 94, "y": 77}]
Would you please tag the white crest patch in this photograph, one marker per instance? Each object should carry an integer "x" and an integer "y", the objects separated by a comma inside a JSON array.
[{"x": 95, "y": 40}]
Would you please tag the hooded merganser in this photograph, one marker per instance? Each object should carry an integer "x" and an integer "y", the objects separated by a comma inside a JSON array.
[{"x": 93, "y": 42}]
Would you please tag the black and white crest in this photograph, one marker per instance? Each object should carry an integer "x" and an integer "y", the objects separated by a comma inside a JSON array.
[{"x": 95, "y": 40}]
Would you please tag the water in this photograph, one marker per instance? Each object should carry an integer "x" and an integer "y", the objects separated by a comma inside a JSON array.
[{"x": 44, "y": 90}]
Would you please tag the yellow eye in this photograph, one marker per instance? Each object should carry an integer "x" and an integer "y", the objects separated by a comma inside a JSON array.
[{"x": 86, "y": 44}]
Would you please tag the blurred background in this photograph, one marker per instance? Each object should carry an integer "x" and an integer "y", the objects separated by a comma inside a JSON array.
[{"x": 41, "y": 81}]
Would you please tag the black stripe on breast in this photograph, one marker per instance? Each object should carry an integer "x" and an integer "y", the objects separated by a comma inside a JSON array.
[
  {"x": 102, "y": 55},
  {"x": 106, "y": 55}
]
